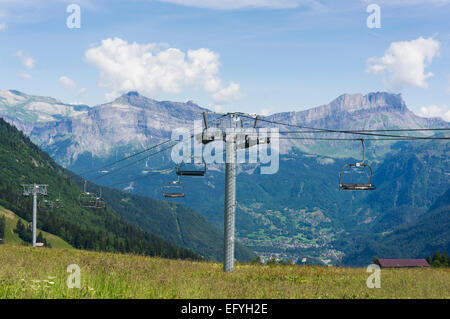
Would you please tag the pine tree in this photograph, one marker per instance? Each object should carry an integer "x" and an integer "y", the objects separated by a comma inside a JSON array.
[
  {"x": 444, "y": 259},
  {"x": 40, "y": 238},
  {"x": 20, "y": 228},
  {"x": 2, "y": 229},
  {"x": 437, "y": 259}
]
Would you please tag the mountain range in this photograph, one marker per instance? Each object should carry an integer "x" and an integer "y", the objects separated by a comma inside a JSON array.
[
  {"x": 297, "y": 212},
  {"x": 70, "y": 133}
]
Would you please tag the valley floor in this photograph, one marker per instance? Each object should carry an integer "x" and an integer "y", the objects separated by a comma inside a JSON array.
[{"x": 28, "y": 272}]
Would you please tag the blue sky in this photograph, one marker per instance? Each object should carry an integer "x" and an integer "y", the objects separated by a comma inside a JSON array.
[{"x": 260, "y": 56}]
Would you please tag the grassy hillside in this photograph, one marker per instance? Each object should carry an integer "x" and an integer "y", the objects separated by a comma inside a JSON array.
[
  {"x": 22, "y": 162},
  {"x": 12, "y": 238},
  {"x": 42, "y": 273}
]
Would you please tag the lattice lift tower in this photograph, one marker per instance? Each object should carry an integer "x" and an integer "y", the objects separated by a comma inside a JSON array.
[
  {"x": 34, "y": 189},
  {"x": 230, "y": 130}
]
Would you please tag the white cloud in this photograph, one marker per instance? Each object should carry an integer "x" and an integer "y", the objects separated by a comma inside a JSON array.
[
  {"x": 217, "y": 107},
  {"x": 153, "y": 69},
  {"x": 404, "y": 63},
  {"x": 227, "y": 94},
  {"x": 3, "y": 26},
  {"x": 71, "y": 85},
  {"x": 265, "y": 112},
  {"x": 27, "y": 61},
  {"x": 67, "y": 82},
  {"x": 435, "y": 111},
  {"x": 111, "y": 96},
  {"x": 240, "y": 4},
  {"x": 25, "y": 75}
]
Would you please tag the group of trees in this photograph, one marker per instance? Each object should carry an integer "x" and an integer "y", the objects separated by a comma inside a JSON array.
[
  {"x": 439, "y": 260},
  {"x": 26, "y": 234},
  {"x": 2, "y": 229}
]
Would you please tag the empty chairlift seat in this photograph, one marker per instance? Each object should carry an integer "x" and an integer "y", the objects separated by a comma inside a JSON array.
[
  {"x": 58, "y": 202},
  {"x": 87, "y": 200},
  {"x": 174, "y": 189},
  {"x": 356, "y": 176},
  {"x": 191, "y": 169},
  {"x": 100, "y": 203},
  {"x": 91, "y": 200},
  {"x": 45, "y": 205}
]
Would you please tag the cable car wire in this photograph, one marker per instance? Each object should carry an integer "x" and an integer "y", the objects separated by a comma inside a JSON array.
[
  {"x": 324, "y": 130},
  {"x": 386, "y": 137},
  {"x": 132, "y": 163},
  {"x": 142, "y": 177},
  {"x": 137, "y": 153}
]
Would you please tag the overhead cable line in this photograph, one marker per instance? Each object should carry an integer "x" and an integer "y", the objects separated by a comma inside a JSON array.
[
  {"x": 142, "y": 177},
  {"x": 126, "y": 158},
  {"x": 330, "y": 130},
  {"x": 134, "y": 162},
  {"x": 405, "y": 138},
  {"x": 369, "y": 131},
  {"x": 134, "y": 154},
  {"x": 312, "y": 130}
]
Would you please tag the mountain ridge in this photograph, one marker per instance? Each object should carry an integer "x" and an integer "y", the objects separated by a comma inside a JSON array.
[
  {"x": 351, "y": 104},
  {"x": 132, "y": 122}
]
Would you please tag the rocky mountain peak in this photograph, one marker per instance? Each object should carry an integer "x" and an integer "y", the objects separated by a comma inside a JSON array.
[
  {"x": 133, "y": 98},
  {"x": 375, "y": 100}
]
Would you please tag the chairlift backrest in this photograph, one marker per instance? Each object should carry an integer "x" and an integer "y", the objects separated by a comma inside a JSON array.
[{"x": 173, "y": 189}]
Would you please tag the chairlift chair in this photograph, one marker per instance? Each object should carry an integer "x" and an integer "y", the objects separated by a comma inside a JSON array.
[
  {"x": 173, "y": 189},
  {"x": 191, "y": 169},
  {"x": 45, "y": 205},
  {"x": 58, "y": 203},
  {"x": 91, "y": 200},
  {"x": 356, "y": 176},
  {"x": 87, "y": 200},
  {"x": 99, "y": 201}
]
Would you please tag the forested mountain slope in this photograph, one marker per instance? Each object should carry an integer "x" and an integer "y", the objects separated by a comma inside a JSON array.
[{"x": 22, "y": 162}]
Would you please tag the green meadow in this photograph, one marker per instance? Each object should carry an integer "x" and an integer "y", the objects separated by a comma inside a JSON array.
[{"x": 27, "y": 272}]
